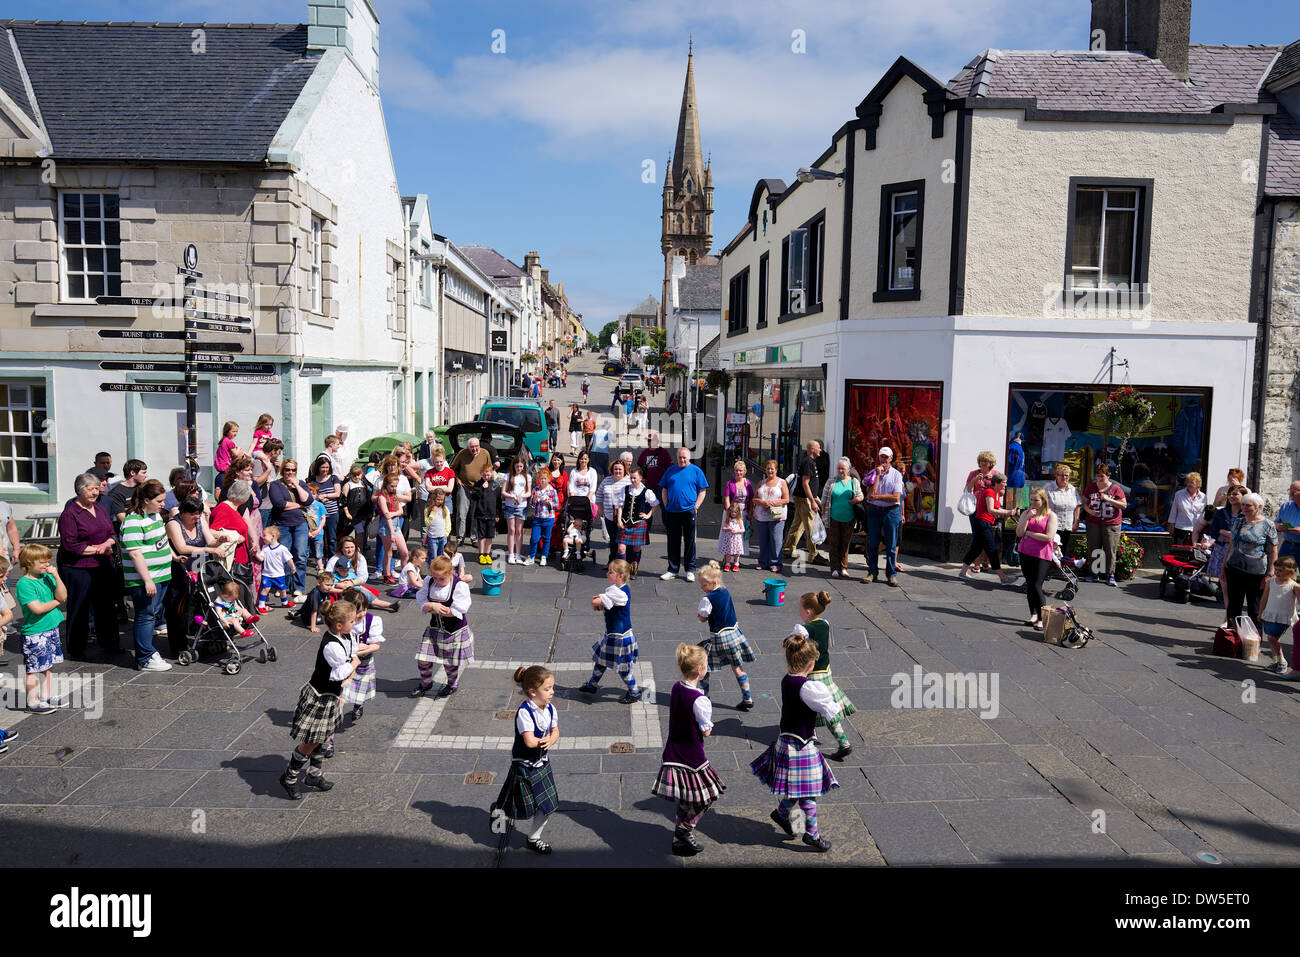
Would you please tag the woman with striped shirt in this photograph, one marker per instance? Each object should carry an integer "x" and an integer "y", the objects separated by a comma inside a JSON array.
[{"x": 144, "y": 540}]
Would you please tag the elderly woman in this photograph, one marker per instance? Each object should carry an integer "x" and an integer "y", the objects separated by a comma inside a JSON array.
[
  {"x": 1187, "y": 508},
  {"x": 85, "y": 562},
  {"x": 232, "y": 513},
  {"x": 1064, "y": 500},
  {"x": 1250, "y": 558},
  {"x": 976, "y": 482},
  {"x": 839, "y": 496},
  {"x": 771, "y": 499},
  {"x": 1103, "y": 505}
]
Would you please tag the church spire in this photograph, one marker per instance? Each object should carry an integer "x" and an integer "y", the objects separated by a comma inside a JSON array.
[{"x": 687, "y": 155}]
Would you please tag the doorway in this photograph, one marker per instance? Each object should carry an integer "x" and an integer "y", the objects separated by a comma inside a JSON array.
[{"x": 322, "y": 414}]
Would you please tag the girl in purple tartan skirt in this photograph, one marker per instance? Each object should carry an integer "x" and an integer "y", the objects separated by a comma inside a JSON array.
[
  {"x": 793, "y": 767},
  {"x": 686, "y": 775}
]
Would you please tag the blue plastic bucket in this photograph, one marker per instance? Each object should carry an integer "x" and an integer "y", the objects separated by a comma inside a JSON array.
[
  {"x": 492, "y": 580},
  {"x": 775, "y": 590}
]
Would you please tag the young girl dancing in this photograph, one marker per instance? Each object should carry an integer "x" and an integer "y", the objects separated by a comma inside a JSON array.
[
  {"x": 529, "y": 789},
  {"x": 818, "y": 630},
  {"x": 617, "y": 647},
  {"x": 686, "y": 775},
  {"x": 369, "y": 632},
  {"x": 448, "y": 639},
  {"x": 792, "y": 766},
  {"x": 726, "y": 644}
]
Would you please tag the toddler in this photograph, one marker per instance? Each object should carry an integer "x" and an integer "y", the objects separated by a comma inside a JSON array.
[
  {"x": 234, "y": 617},
  {"x": 731, "y": 541},
  {"x": 277, "y": 567}
]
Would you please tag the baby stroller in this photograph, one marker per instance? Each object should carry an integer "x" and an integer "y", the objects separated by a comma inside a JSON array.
[
  {"x": 205, "y": 630},
  {"x": 577, "y": 509},
  {"x": 1187, "y": 575},
  {"x": 1065, "y": 569}
]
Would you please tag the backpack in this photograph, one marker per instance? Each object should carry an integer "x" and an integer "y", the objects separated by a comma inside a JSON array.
[{"x": 359, "y": 504}]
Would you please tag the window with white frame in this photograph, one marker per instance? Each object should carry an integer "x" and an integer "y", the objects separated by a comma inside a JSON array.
[
  {"x": 24, "y": 455},
  {"x": 90, "y": 229},
  {"x": 317, "y": 229}
]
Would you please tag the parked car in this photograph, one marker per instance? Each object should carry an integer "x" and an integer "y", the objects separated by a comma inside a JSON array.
[
  {"x": 612, "y": 368},
  {"x": 631, "y": 384},
  {"x": 527, "y": 415},
  {"x": 506, "y": 441},
  {"x": 383, "y": 444}
]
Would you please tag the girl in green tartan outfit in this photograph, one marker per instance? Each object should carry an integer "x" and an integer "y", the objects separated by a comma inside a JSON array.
[{"x": 811, "y": 607}]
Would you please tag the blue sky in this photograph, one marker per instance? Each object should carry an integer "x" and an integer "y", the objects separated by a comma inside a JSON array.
[{"x": 542, "y": 146}]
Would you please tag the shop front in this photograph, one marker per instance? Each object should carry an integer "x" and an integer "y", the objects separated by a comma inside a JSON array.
[
  {"x": 464, "y": 384},
  {"x": 906, "y": 417},
  {"x": 783, "y": 406}
]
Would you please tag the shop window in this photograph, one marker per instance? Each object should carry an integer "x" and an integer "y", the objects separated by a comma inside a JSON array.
[
  {"x": 898, "y": 270},
  {"x": 1109, "y": 240},
  {"x": 1055, "y": 424},
  {"x": 906, "y": 417}
]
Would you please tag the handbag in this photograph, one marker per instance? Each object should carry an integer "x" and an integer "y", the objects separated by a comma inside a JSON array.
[
  {"x": 966, "y": 504},
  {"x": 777, "y": 512}
]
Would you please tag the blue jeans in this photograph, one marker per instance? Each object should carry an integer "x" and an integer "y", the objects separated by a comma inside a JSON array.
[
  {"x": 436, "y": 546},
  {"x": 316, "y": 546},
  {"x": 331, "y": 531},
  {"x": 148, "y": 615},
  {"x": 541, "y": 543},
  {"x": 769, "y": 535},
  {"x": 882, "y": 522},
  {"x": 295, "y": 536}
]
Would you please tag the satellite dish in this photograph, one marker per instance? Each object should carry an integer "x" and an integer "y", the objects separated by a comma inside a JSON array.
[{"x": 613, "y": 338}]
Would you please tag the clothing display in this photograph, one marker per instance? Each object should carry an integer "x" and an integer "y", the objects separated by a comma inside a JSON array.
[{"x": 1056, "y": 433}]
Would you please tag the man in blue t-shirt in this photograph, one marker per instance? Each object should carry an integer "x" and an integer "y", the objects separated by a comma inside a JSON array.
[
  {"x": 1288, "y": 525},
  {"x": 682, "y": 491}
]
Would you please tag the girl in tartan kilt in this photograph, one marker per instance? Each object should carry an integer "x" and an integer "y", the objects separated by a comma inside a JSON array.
[
  {"x": 369, "y": 630},
  {"x": 726, "y": 644},
  {"x": 318, "y": 713},
  {"x": 444, "y": 597},
  {"x": 818, "y": 630},
  {"x": 617, "y": 648},
  {"x": 793, "y": 767},
  {"x": 529, "y": 789},
  {"x": 639, "y": 504},
  {"x": 686, "y": 775}
]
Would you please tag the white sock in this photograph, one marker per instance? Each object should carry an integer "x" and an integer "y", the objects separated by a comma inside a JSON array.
[{"x": 540, "y": 820}]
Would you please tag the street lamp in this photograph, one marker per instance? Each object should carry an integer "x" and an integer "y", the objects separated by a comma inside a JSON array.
[{"x": 808, "y": 174}]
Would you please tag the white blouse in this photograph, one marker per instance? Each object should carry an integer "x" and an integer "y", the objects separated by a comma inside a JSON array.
[{"x": 583, "y": 483}]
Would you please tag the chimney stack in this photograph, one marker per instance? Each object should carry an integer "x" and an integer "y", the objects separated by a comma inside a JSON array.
[
  {"x": 532, "y": 260},
  {"x": 1159, "y": 28},
  {"x": 352, "y": 25}
]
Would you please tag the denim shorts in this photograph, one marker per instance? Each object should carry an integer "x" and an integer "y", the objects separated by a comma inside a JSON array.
[
  {"x": 1274, "y": 629},
  {"x": 516, "y": 511}
]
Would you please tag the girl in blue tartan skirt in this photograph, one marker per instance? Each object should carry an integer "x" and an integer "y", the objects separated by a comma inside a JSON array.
[
  {"x": 686, "y": 775},
  {"x": 793, "y": 767},
  {"x": 529, "y": 788},
  {"x": 726, "y": 644},
  {"x": 617, "y": 647}
]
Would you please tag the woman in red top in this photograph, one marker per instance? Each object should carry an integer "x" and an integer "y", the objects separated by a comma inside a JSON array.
[
  {"x": 984, "y": 522},
  {"x": 227, "y": 515},
  {"x": 1103, "y": 507},
  {"x": 559, "y": 482}
]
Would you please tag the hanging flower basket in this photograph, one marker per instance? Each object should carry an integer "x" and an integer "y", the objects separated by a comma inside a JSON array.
[
  {"x": 1126, "y": 413},
  {"x": 528, "y": 358},
  {"x": 675, "y": 368},
  {"x": 718, "y": 380}
]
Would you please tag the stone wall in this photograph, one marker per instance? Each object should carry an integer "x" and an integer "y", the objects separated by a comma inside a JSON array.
[
  {"x": 1280, "y": 456},
  {"x": 244, "y": 221}
]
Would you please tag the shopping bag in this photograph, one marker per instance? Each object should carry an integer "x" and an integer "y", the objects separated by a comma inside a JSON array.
[
  {"x": 816, "y": 529},
  {"x": 1249, "y": 636},
  {"x": 966, "y": 504}
]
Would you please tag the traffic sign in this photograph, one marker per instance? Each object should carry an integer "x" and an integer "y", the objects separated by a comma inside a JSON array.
[
  {"x": 219, "y": 296},
  {"x": 245, "y": 368},
  {"x": 122, "y": 365},
  {"x": 222, "y": 346},
  {"x": 215, "y": 326},
  {"x": 141, "y": 334},
  {"x": 191, "y": 256},
  {"x": 193, "y": 313},
  {"x": 141, "y": 387},
  {"x": 213, "y": 357},
  {"x": 151, "y": 301}
]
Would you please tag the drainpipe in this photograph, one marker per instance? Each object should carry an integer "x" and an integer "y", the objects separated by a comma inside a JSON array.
[{"x": 1266, "y": 323}]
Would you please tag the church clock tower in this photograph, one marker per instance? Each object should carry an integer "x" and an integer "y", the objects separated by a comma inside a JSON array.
[{"x": 687, "y": 228}]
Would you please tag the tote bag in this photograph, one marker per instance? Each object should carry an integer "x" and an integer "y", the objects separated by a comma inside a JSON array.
[{"x": 966, "y": 504}]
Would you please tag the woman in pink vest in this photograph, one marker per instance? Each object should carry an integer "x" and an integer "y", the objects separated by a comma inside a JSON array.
[{"x": 1037, "y": 533}]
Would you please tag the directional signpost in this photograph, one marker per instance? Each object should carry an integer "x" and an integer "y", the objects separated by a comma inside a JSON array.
[{"x": 202, "y": 314}]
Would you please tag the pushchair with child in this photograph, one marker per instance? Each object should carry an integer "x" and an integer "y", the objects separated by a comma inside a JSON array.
[
  {"x": 1066, "y": 570},
  {"x": 577, "y": 510},
  {"x": 205, "y": 630}
]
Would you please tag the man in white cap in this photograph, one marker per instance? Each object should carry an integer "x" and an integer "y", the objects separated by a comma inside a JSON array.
[
  {"x": 883, "y": 487},
  {"x": 805, "y": 496},
  {"x": 342, "y": 456}
]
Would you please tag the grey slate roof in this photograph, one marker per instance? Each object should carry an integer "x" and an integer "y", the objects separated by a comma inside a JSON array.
[
  {"x": 649, "y": 306},
  {"x": 1287, "y": 62},
  {"x": 1282, "y": 178},
  {"x": 11, "y": 80},
  {"x": 135, "y": 91},
  {"x": 701, "y": 287},
  {"x": 492, "y": 262},
  {"x": 1118, "y": 81}
]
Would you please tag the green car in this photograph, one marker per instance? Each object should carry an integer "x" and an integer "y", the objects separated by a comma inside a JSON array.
[
  {"x": 383, "y": 444},
  {"x": 527, "y": 415}
]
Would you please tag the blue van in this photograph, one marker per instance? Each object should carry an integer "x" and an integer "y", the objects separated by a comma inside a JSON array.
[{"x": 527, "y": 415}]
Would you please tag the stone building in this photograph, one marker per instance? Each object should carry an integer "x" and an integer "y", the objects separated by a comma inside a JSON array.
[{"x": 262, "y": 145}]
